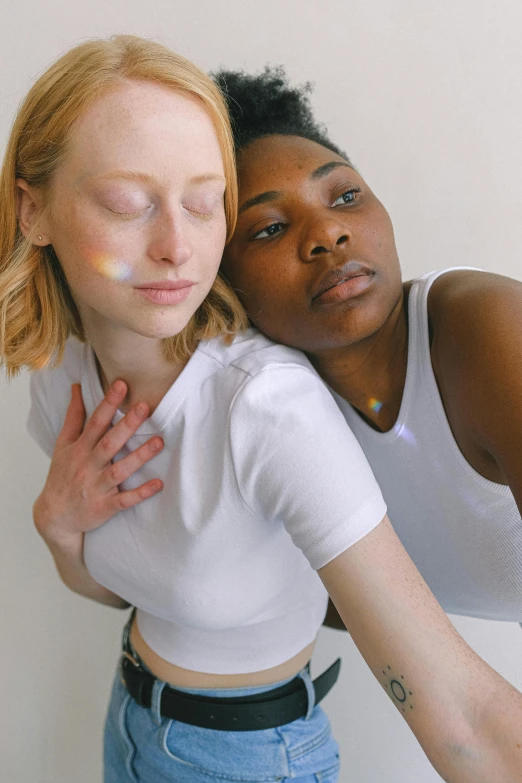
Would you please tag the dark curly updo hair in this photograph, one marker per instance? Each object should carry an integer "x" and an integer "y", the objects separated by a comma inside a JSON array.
[{"x": 265, "y": 104}]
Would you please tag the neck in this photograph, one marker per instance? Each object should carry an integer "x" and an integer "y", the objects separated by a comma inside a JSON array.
[
  {"x": 371, "y": 374},
  {"x": 137, "y": 360}
]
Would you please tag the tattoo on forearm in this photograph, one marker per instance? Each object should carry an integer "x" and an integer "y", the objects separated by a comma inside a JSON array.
[{"x": 397, "y": 690}]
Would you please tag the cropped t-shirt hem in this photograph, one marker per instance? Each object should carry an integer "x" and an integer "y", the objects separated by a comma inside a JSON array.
[{"x": 233, "y": 660}]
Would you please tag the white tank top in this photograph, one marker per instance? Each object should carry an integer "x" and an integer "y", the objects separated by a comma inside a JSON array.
[{"x": 463, "y": 531}]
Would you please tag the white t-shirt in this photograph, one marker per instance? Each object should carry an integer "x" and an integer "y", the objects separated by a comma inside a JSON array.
[{"x": 263, "y": 483}]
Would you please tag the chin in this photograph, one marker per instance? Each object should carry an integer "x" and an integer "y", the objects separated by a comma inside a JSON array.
[
  {"x": 161, "y": 331},
  {"x": 341, "y": 332}
]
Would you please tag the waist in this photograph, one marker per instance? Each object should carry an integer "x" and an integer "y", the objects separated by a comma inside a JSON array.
[{"x": 180, "y": 677}]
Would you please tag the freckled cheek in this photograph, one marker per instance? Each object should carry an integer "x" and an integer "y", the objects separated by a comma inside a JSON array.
[
  {"x": 274, "y": 296},
  {"x": 380, "y": 230}
]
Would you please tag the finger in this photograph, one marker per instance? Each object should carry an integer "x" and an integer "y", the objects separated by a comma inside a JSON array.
[
  {"x": 119, "y": 471},
  {"x": 101, "y": 419},
  {"x": 115, "y": 439},
  {"x": 74, "y": 418},
  {"x": 122, "y": 500}
]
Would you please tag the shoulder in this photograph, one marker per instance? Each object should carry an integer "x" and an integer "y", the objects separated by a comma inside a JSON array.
[
  {"x": 50, "y": 394},
  {"x": 474, "y": 315},
  {"x": 49, "y": 384},
  {"x": 280, "y": 395},
  {"x": 62, "y": 370},
  {"x": 251, "y": 353},
  {"x": 462, "y": 299},
  {"x": 255, "y": 383}
]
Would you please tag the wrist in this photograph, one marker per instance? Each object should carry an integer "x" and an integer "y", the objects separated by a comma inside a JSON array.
[{"x": 49, "y": 527}]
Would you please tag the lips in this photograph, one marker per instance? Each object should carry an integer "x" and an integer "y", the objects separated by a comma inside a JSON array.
[
  {"x": 166, "y": 292},
  {"x": 342, "y": 274},
  {"x": 167, "y": 285}
]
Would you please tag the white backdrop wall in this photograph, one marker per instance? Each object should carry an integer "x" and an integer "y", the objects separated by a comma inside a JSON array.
[{"x": 426, "y": 99}]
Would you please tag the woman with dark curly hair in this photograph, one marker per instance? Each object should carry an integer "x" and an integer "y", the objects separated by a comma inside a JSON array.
[{"x": 427, "y": 373}]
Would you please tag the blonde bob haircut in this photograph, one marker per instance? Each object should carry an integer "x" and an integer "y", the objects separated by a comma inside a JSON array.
[{"x": 37, "y": 312}]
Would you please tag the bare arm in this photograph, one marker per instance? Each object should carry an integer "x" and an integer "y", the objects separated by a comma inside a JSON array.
[
  {"x": 467, "y": 718},
  {"x": 68, "y": 558},
  {"x": 82, "y": 488}
]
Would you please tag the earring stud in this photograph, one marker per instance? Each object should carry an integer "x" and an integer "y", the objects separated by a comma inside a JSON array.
[{"x": 39, "y": 237}]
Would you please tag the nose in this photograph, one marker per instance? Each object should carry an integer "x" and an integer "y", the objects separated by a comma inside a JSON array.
[
  {"x": 170, "y": 240},
  {"x": 324, "y": 235}
]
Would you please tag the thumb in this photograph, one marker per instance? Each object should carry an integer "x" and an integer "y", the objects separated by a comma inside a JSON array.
[{"x": 74, "y": 418}]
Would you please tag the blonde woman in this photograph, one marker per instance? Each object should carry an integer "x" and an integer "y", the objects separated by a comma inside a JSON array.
[{"x": 118, "y": 193}]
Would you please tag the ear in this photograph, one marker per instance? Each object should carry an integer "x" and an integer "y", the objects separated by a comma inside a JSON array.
[{"x": 29, "y": 207}]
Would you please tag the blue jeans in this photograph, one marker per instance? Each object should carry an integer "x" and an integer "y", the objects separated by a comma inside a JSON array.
[{"x": 140, "y": 746}]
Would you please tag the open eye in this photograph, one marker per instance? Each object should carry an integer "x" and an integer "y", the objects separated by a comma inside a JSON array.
[
  {"x": 348, "y": 197},
  {"x": 268, "y": 231}
]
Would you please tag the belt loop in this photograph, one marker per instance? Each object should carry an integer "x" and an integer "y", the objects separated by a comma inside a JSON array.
[
  {"x": 304, "y": 674},
  {"x": 155, "y": 701}
]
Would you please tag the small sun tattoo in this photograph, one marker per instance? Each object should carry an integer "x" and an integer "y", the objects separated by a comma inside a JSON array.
[{"x": 397, "y": 690}]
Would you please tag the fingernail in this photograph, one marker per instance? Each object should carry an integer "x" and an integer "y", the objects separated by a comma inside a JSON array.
[
  {"x": 155, "y": 445},
  {"x": 118, "y": 387},
  {"x": 155, "y": 488}
]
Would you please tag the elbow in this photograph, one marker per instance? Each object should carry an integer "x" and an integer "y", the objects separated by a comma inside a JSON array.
[
  {"x": 456, "y": 756},
  {"x": 476, "y": 753}
]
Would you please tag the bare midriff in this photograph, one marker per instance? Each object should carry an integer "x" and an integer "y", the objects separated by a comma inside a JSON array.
[{"x": 186, "y": 678}]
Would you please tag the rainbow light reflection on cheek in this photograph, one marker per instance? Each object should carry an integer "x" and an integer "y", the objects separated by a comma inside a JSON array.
[{"x": 113, "y": 268}]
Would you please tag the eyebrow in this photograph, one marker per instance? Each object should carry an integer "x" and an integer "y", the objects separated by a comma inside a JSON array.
[
  {"x": 274, "y": 195},
  {"x": 326, "y": 168},
  {"x": 138, "y": 176},
  {"x": 262, "y": 198}
]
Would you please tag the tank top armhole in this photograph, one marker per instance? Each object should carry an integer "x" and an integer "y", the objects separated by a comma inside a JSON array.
[{"x": 418, "y": 315}]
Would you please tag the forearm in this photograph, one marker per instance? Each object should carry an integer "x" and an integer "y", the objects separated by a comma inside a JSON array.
[
  {"x": 68, "y": 558},
  {"x": 467, "y": 718},
  {"x": 67, "y": 552},
  {"x": 492, "y": 749}
]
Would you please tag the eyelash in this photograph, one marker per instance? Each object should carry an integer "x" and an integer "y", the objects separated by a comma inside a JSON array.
[
  {"x": 202, "y": 215},
  {"x": 353, "y": 191},
  {"x": 128, "y": 214}
]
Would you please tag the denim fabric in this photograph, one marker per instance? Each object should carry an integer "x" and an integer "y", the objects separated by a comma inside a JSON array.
[{"x": 142, "y": 747}]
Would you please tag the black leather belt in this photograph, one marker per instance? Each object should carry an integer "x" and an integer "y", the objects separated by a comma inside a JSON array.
[{"x": 264, "y": 710}]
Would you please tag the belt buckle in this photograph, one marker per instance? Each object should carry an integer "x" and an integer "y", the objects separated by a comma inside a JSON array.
[{"x": 128, "y": 656}]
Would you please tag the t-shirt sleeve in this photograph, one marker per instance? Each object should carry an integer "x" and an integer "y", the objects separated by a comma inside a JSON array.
[
  {"x": 38, "y": 422},
  {"x": 296, "y": 460}
]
